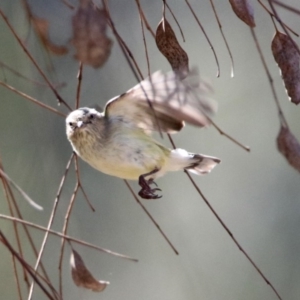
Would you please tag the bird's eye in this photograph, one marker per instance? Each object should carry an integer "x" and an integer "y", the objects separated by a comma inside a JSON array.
[
  {"x": 71, "y": 124},
  {"x": 92, "y": 116}
]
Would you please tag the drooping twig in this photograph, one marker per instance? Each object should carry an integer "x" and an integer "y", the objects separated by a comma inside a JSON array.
[
  {"x": 206, "y": 36},
  {"x": 270, "y": 79},
  {"x": 224, "y": 38}
]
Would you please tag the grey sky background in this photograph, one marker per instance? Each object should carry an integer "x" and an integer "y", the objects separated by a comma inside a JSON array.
[{"x": 257, "y": 194}]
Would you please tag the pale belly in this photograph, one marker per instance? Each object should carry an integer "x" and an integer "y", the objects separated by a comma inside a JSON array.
[{"x": 127, "y": 158}]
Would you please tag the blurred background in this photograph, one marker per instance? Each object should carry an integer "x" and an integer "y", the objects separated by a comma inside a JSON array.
[{"x": 257, "y": 194}]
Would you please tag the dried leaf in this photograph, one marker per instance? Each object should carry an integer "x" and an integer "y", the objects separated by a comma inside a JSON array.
[
  {"x": 288, "y": 59},
  {"x": 244, "y": 10},
  {"x": 41, "y": 26},
  {"x": 289, "y": 147},
  {"x": 82, "y": 276},
  {"x": 168, "y": 45},
  {"x": 89, "y": 35}
]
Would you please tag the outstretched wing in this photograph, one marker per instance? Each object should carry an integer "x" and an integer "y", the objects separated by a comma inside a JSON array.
[{"x": 164, "y": 102}]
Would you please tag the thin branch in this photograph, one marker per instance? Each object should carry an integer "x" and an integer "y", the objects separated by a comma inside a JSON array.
[
  {"x": 284, "y": 26},
  {"x": 290, "y": 8},
  {"x": 68, "y": 4},
  {"x": 145, "y": 42},
  {"x": 80, "y": 184},
  {"x": 5, "y": 66},
  {"x": 206, "y": 36},
  {"x": 151, "y": 218},
  {"x": 59, "y": 98},
  {"x": 11, "y": 201},
  {"x": 176, "y": 21},
  {"x": 55, "y": 205},
  {"x": 143, "y": 17},
  {"x": 24, "y": 264},
  {"x": 64, "y": 231},
  {"x": 282, "y": 118},
  {"x": 79, "y": 82},
  {"x": 224, "y": 38},
  {"x": 247, "y": 148},
  {"x": 17, "y": 277},
  {"x": 67, "y": 237},
  {"x": 35, "y": 101},
  {"x": 24, "y": 195},
  {"x": 275, "y": 15},
  {"x": 232, "y": 236}
]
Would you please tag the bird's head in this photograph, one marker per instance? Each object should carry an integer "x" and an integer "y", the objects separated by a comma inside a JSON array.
[{"x": 82, "y": 120}]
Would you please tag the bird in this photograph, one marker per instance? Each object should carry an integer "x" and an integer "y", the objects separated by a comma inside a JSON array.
[{"x": 118, "y": 141}]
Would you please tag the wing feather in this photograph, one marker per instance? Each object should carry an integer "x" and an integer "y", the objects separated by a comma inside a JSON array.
[{"x": 163, "y": 102}]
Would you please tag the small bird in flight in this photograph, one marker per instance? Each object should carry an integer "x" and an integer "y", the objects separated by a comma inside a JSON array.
[{"x": 118, "y": 141}]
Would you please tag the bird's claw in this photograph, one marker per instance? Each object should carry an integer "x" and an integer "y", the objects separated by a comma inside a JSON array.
[{"x": 147, "y": 192}]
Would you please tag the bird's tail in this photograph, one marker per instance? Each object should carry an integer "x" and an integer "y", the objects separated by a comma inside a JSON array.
[{"x": 195, "y": 163}]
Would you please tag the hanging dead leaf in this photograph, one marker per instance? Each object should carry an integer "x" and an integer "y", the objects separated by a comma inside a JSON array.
[
  {"x": 41, "y": 27},
  {"x": 169, "y": 46},
  {"x": 288, "y": 59},
  {"x": 289, "y": 147},
  {"x": 244, "y": 10},
  {"x": 89, "y": 35},
  {"x": 82, "y": 276}
]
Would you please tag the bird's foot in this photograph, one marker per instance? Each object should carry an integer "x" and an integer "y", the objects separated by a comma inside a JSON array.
[{"x": 147, "y": 192}]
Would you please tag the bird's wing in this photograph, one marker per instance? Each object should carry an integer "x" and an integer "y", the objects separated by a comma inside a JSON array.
[{"x": 163, "y": 102}]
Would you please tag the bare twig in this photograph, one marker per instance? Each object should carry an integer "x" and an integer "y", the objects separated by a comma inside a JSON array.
[
  {"x": 67, "y": 237},
  {"x": 176, "y": 21},
  {"x": 144, "y": 39},
  {"x": 79, "y": 82},
  {"x": 64, "y": 231},
  {"x": 59, "y": 98},
  {"x": 24, "y": 264},
  {"x": 224, "y": 38},
  {"x": 247, "y": 148},
  {"x": 5, "y": 66},
  {"x": 55, "y": 205},
  {"x": 288, "y": 7},
  {"x": 143, "y": 17},
  {"x": 232, "y": 236},
  {"x": 151, "y": 218},
  {"x": 271, "y": 81},
  {"x": 35, "y": 101},
  {"x": 206, "y": 36},
  {"x": 275, "y": 15},
  {"x": 24, "y": 195}
]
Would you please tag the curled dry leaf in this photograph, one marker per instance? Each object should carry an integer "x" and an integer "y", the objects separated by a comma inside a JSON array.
[
  {"x": 244, "y": 10},
  {"x": 82, "y": 276},
  {"x": 89, "y": 35},
  {"x": 41, "y": 27},
  {"x": 168, "y": 45},
  {"x": 288, "y": 59},
  {"x": 289, "y": 147}
]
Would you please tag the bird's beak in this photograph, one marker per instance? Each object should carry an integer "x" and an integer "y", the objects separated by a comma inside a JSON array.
[{"x": 79, "y": 124}]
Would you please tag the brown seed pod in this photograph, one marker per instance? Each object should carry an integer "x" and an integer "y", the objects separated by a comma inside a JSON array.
[
  {"x": 288, "y": 59},
  {"x": 82, "y": 276},
  {"x": 41, "y": 27},
  {"x": 89, "y": 35},
  {"x": 244, "y": 10},
  {"x": 289, "y": 147},
  {"x": 169, "y": 46}
]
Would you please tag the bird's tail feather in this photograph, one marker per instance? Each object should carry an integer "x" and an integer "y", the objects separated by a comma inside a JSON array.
[{"x": 195, "y": 163}]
